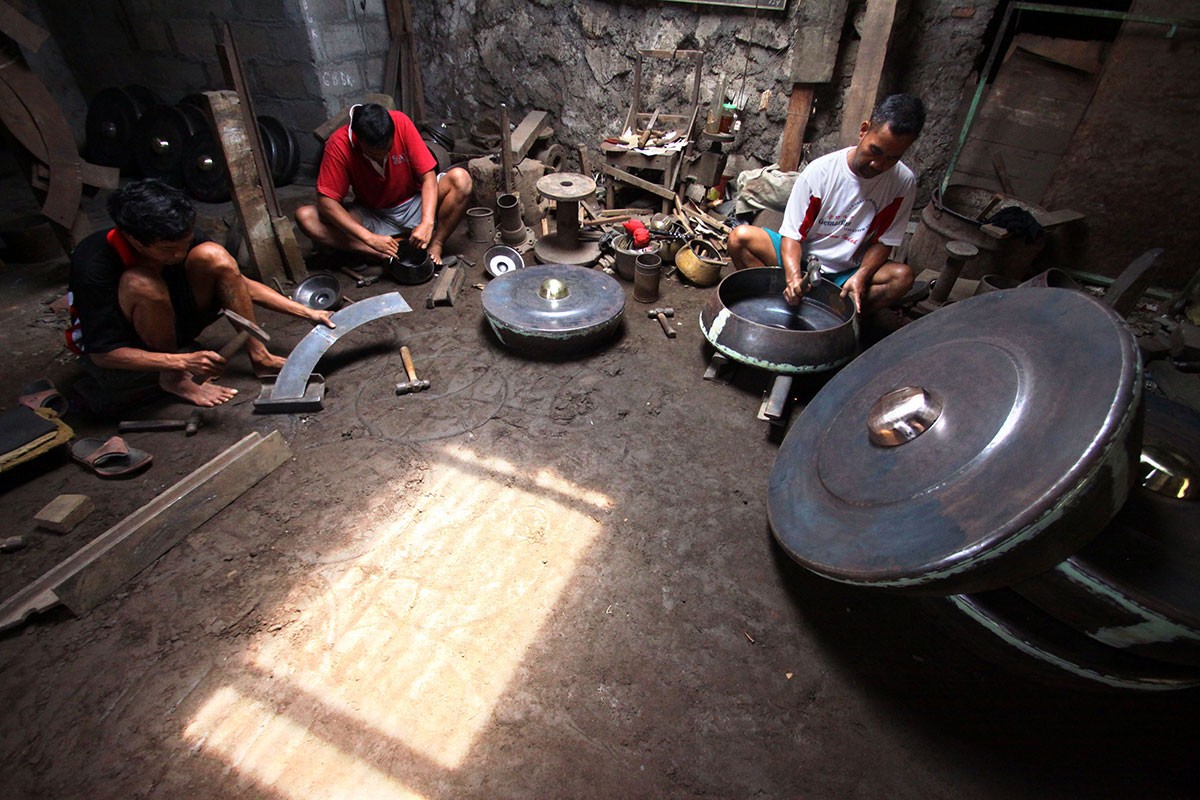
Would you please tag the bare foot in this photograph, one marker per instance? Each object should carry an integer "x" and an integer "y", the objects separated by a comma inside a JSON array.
[
  {"x": 205, "y": 395},
  {"x": 435, "y": 252},
  {"x": 268, "y": 365}
]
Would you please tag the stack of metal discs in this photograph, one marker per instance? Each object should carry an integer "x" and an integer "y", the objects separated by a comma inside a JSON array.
[{"x": 993, "y": 455}]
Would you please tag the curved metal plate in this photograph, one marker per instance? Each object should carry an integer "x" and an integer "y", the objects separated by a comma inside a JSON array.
[
  {"x": 522, "y": 317},
  {"x": 293, "y": 378},
  {"x": 1136, "y": 587},
  {"x": 1029, "y": 459},
  {"x": 748, "y": 320},
  {"x": 1015, "y": 629}
]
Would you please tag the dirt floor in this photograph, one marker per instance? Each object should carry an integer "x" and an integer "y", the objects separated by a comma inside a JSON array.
[{"x": 536, "y": 579}]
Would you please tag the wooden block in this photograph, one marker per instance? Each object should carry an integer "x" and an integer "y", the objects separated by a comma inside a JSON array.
[
  {"x": 64, "y": 512},
  {"x": 527, "y": 133}
]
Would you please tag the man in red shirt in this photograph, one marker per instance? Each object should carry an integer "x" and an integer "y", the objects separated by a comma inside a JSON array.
[{"x": 397, "y": 190}]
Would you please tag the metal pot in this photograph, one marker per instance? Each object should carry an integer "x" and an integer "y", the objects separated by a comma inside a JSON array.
[
  {"x": 410, "y": 266},
  {"x": 320, "y": 291},
  {"x": 748, "y": 320},
  {"x": 700, "y": 263}
]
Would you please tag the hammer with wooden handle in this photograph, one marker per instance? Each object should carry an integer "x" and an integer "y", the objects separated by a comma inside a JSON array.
[
  {"x": 412, "y": 384},
  {"x": 245, "y": 329},
  {"x": 662, "y": 314}
]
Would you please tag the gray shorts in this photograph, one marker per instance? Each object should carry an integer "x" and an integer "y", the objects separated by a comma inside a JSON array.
[{"x": 392, "y": 221}]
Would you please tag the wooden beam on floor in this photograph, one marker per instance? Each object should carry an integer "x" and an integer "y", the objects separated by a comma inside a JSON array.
[{"x": 95, "y": 571}]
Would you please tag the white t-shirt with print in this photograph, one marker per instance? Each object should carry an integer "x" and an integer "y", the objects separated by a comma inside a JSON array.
[{"x": 837, "y": 214}]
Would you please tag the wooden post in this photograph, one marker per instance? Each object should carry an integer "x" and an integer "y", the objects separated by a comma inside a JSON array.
[
  {"x": 248, "y": 198},
  {"x": 280, "y": 232},
  {"x": 872, "y": 51},
  {"x": 799, "y": 106},
  {"x": 815, "y": 48}
]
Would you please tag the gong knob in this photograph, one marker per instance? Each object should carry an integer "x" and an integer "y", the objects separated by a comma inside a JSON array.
[
  {"x": 902, "y": 415},
  {"x": 1169, "y": 473},
  {"x": 553, "y": 289},
  {"x": 160, "y": 146}
]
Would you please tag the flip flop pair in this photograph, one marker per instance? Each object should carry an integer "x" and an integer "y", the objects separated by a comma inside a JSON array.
[{"x": 110, "y": 459}]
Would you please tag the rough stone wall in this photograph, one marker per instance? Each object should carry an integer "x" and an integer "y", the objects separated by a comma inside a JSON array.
[
  {"x": 576, "y": 61},
  {"x": 1131, "y": 165}
]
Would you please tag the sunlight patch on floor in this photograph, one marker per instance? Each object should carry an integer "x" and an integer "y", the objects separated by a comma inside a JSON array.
[{"x": 413, "y": 639}]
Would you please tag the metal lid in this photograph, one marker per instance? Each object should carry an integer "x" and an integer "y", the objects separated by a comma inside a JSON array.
[{"x": 1005, "y": 451}]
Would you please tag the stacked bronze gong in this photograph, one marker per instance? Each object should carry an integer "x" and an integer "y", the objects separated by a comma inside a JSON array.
[{"x": 982, "y": 454}]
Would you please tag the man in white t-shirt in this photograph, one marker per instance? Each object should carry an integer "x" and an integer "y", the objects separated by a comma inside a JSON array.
[{"x": 847, "y": 209}]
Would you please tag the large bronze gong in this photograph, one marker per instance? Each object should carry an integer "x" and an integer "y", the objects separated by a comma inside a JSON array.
[
  {"x": 553, "y": 309},
  {"x": 975, "y": 447},
  {"x": 1136, "y": 586}
]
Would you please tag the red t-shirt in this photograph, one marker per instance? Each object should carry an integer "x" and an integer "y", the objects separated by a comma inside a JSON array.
[{"x": 344, "y": 167}]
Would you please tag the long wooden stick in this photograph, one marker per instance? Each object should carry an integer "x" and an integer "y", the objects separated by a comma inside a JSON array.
[{"x": 98, "y": 569}]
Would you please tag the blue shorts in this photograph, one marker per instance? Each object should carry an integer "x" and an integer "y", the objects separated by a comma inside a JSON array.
[{"x": 838, "y": 278}]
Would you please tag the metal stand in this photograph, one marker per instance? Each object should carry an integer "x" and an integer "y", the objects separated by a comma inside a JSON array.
[
  {"x": 957, "y": 254},
  {"x": 563, "y": 246},
  {"x": 776, "y": 404}
]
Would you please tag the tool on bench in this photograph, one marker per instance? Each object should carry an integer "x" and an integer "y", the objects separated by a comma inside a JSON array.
[
  {"x": 245, "y": 329},
  {"x": 412, "y": 384},
  {"x": 662, "y": 314},
  {"x": 189, "y": 426}
]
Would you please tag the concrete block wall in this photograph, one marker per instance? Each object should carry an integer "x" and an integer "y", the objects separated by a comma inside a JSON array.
[{"x": 304, "y": 59}]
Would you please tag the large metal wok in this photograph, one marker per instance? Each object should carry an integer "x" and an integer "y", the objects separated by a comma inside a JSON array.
[{"x": 748, "y": 320}]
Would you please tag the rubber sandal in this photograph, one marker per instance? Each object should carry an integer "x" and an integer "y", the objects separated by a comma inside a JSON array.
[
  {"x": 43, "y": 394},
  {"x": 110, "y": 459}
]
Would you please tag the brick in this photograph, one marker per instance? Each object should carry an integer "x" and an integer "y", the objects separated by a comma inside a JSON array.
[
  {"x": 963, "y": 12},
  {"x": 194, "y": 38},
  {"x": 151, "y": 36},
  {"x": 342, "y": 41},
  {"x": 64, "y": 512},
  {"x": 286, "y": 80},
  {"x": 256, "y": 40}
]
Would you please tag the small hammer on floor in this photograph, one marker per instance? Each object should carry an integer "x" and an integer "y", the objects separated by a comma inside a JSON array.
[
  {"x": 662, "y": 314},
  {"x": 412, "y": 384},
  {"x": 189, "y": 426},
  {"x": 245, "y": 329}
]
